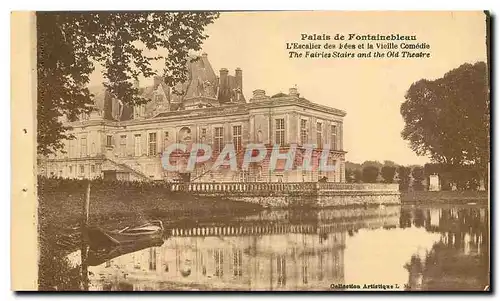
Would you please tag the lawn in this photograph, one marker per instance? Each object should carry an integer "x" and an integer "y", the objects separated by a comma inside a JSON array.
[{"x": 444, "y": 197}]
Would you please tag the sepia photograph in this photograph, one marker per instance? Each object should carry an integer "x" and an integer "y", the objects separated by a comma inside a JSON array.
[{"x": 334, "y": 151}]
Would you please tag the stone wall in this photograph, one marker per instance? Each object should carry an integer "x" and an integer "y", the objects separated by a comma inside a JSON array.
[{"x": 305, "y": 194}]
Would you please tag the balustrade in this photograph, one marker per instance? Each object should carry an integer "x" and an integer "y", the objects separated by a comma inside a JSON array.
[{"x": 239, "y": 187}]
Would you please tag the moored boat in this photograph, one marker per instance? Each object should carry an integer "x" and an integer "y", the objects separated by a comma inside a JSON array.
[{"x": 99, "y": 238}]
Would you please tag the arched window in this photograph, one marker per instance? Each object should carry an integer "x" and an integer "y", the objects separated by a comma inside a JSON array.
[{"x": 185, "y": 134}]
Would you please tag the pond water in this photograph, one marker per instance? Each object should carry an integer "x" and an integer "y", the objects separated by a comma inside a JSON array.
[{"x": 388, "y": 248}]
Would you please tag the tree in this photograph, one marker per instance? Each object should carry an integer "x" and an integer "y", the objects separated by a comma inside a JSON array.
[
  {"x": 418, "y": 176},
  {"x": 358, "y": 176},
  {"x": 404, "y": 178},
  {"x": 377, "y": 164},
  {"x": 370, "y": 174},
  {"x": 448, "y": 119},
  {"x": 349, "y": 175},
  {"x": 432, "y": 168},
  {"x": 70, "y": 43},
  {"x": 389, "y": 163},
  {"x": 388, "y": 173}
]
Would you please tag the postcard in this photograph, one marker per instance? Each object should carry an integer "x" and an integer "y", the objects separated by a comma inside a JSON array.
[{"x": 250, "y": 151}]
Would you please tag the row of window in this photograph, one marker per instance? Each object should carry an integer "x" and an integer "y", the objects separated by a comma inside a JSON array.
[
  {"x": 153, "y": 141},
  {"x": 237, "y": 137},
  {"x": 79, "y": 169},
  {"x": 93, "y": 168},
  {"x": 237, "y": 263},
  {"x": 84, "y": 151},
  {"x": 304, "y": 137},
  {"x": 218, "y": 258},
  {"x": 218, "y": 139}
]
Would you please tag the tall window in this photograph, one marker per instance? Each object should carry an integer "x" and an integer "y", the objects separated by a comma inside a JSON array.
[
  {"x": 281, "y": 270},
  {"x": 237, "y": 137},
  {"x": 303, "y": 131},
  {"x": 83, "y": 147},
  {"x": 92, "y": 149},
  {"x": 82, "y": 169},
  {"x": 244, "y": 175},
  {"x": 237, "y": 263},
  {"x": 280, "y": 131},
  {"x": 136, "y": 112},
  {"x": 139, "y": 110},
  {"x": 219, "y": 263},
  {"x": 319, "y": 135},
  {"x": 152, "y": 259},
  {"x": 304, "y": 271},
  {"x": 219, "y": 139},
  {"x": 137, "y": 145},
  {"x": 203, "y": 137},
  {"x": 72, "y": 149},
  {"x": 166, "y": 139},
  {"x": 123, "y": 144},
  {"x": 152, "y": 144},
  {"x": 334, "y": 136},
  {"x": 109, "y": 140},
  {"x": 321, "y": 259}
]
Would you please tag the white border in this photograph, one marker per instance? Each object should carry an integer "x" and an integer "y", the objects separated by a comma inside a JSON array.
[{"x": 185, "y": 5}]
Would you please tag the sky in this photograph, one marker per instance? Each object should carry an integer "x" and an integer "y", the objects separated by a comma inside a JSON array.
[{"x": 369, "y": 90}]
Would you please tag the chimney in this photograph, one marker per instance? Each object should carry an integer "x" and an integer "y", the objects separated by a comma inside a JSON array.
[
  {"x": 293, "y": 92},
  {"x": 223, "y": 85},
  {"x": 239, "y": 78},
  {"x": 259, "y": 94},
  {"x": 157, "y": 80},
  {"x": 223, "y": 76}
]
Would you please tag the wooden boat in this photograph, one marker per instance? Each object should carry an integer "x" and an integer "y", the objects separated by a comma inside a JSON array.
[
  {"x": 99, "y": 238},
  {"x": 100, "y": 256}
]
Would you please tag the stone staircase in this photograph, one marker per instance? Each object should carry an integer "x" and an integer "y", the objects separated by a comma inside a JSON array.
[{"x": 113, "y": 159}]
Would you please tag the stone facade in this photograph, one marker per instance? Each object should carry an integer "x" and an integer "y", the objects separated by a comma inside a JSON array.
[{"x": 123, "y": 143}]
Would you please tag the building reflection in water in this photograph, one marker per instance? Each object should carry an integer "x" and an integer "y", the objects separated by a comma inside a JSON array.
[
  {"x": 275, "y": 250},
  {"x": 265, "y": 262},
  {"x": 285, "y": 250}
]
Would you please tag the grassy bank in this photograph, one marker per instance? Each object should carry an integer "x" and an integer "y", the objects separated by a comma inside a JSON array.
[
  {"x": 444, "y": 197},
  {"x": 115, "y": 203}
]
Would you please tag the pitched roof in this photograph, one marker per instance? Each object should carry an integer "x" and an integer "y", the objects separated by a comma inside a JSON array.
[
  {"x": 202, "y": 79},
  {"x": 201, "y": 86}
]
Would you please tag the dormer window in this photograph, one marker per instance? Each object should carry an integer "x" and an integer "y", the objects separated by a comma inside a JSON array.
[{"x": 139, "y": 110}]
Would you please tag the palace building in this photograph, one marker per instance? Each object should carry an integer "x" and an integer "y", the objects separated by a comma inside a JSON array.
[{"x": 126, "y": 143}]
